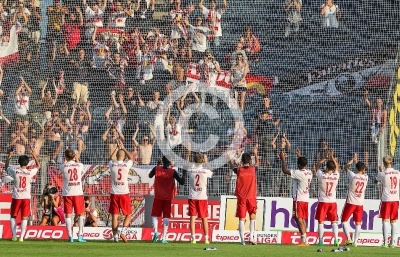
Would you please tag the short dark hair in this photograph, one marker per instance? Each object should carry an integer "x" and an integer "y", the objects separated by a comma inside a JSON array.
[
  {"x": 69, "y": 154},
  {"x": 198, "y": 158},
  {"x": 86, "y": 198},
  {"x": 246, "y": 158},
  {"x": 302, "y": 161},
  {"x": 360, "y": 166},
  {"x": 330, "y": 165},
  {"x": 23, "y": 160},
  {"x": 166, "y": 161}
]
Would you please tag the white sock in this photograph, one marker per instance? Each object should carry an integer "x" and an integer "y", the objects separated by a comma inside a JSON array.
[
  {"x": 252, "y": 230},
  {"x": 241, "y": 230},
  {"x": 155, "y": 224},
  {"x": 206, "y": 237},
  {"x": 13, "y": 224},
  {"x": 346, "y": 229},
  {"x": 81, "y": 222},
  {"x": 321, "y": 233},
  {"x": 335, "y": 231},
  {"x": 165, "y": 228},
  {"x": 68, "y": 223},
  {"x": 393, "y": 239},
  {"x": 24, "y": 223},
  {"x": 385, "y": 229},
  {"x": 304, "y": 238},
  {"x": 357, "y": 233}
]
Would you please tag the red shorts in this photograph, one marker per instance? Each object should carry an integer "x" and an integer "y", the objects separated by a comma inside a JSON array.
[
  {"x": 300, "y": 210},
  {"x": 23, "y": 205},
  {"x": 76, "y": 203},
  {"x": 198, "y": 208},
  {"x": 120, "y": 202},
  {"x": 389, "y": 210},
  {"x": 326, "y": 210},
  {"x": 161, "y": 208},
  {"x": 243, "y": 205},
  {"x": 349, "y": 209}
]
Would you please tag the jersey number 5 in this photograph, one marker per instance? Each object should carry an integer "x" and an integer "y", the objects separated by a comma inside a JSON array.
[{"x": 119, "y": 174}]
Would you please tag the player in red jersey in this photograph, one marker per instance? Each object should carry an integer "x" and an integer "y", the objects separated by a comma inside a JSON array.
[
  {"x": 327, "y": 206},
  {"x": 355, "y": 199},
  {"x": 119, "y": 198},
  {"x": 72, "y": 192},
  {"x": 389, "y": 207},
  {"x": 164, "y": 189},
  {"x": 246, "y": 193},
  {"x": 301, "y": 185},
  {"x": 21, "y": 197},
  {"x": 198, "y": 205}
]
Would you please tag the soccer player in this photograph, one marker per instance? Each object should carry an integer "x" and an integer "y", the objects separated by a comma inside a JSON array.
[
  {"x": 198, "y": 205},
  {"x": 119, "y": 198},
  {"x": 389, "y": 200},
  {"x": 301, "y": 185},
  {"x": 355, "y": 199},
  {"x": 246, "y": 194},
  {"x": 73, "y": 194},
  {"x": 21, "y": 198},
  {"x": 164, "y": 190},
  {"x": 327, "y": 207}
]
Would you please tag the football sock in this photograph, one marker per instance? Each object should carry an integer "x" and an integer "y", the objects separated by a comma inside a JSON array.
[
  {"x": 393, "y": 239},
  {"x": 241, "y": 230},
  {"x": 24, "y": 223},
  {"x": 335, "y": 231},
  {"x": 385, "y": 229},
  {"x": 321, "y": 233},
  {"x": 155, "y": 224},
  {"x": 81, "y": 222},
  {"x": 304, "y": 238},
  {"x": 357, "y": 233},
  {"x": 165, "y": 228},
  {"x": 346, "y": 229},
  {"x": 68, "y": 223},
  {"x": 252, "y": 230},
  {"x": 13, "y": 227}
]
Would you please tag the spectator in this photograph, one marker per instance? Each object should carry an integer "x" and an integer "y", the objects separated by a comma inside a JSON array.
[
  {"x": 17, "y": 139},
  {"x": 22, "y": 95},
  {"x": 174, "y": 128},
  {"x": 213, "y": 17},
  {"x": 235, "y": 160},
  {"x": 198, "y": 36},
  {"x": 131, "y": 45},
  {"x": 133, "y": 102},
  {"x": 209, "y": 69},
  {"x": 293, "y": 15},
  {"x": 100, "y": 49},
  {"x": 116, "y": 114},
  {"x": 48, "y": 101},
  {"x": 178, "y": 16},
  {"x": 4, "y": 125},
  {"x": 143, "y": 13},
  {"x": 21, "y": 14},
  {"x": 237, "y": 134},
  {"x": 183, "y": 57},
  {"x": 119, "y": 15},
  {"x": 55, "y": 16},
  {"x": 72, "y": 28},
  {"x": 145, "y": 60},
  {"x": 251, "y": 45},
  {"x": 281, "y": 185},
  {"x": 49, "y": 202},
  {"x": 238, "y": 80},
  {"x": 146, "y": 148},
  {"x": 81, "y": 77},
  {"x": 94, "y": 17},
  {"x": 111, "y": 137},
  {"x": 58, "y": 62},
  {"x": 80, "y": 127},
  {"x": 330, "y": 14},
  {"x": 53, "y": 131},
  {"x": 116, "y": 70},
  {"x": 34, "y": 22},
  {"x": 91, "y": 215},
  {"x": 35, "y": 141},
  {"x": 1, "y": 80},
  {"x": 157, "y": 108}
]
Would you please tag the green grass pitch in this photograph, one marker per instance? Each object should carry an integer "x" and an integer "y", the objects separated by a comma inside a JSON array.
[{"x": 111, "y": 249}]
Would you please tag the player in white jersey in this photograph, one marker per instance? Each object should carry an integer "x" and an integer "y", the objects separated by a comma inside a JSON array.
[
  {"x": 73, "y": 194},
  {"x": 119, "y": 198},
  {"x": 389, "y": 200},
  {"x": 327, "y": 207},
  {"x": 198, "y": 204},
  {"x": 355, "y": 199},
  {"x": 301, "y": 185},
  {"x": 21, "y": 197}
]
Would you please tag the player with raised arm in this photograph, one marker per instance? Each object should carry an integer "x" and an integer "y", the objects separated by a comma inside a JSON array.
[
  {"x": 198, "y": 204},
  {"x": 301, "y": 185},
  {"x": 119, "y": 198},
  {"x": 246, "y": 194},
  {"x": 72, "y": 192},
  {"x": 355, "y": 199},
  {"x": 327, "y": 206},
  {"x": 21, "y": 197},
  {"x": 164, "y": 191},
  {"x": 389, "y": 207}
]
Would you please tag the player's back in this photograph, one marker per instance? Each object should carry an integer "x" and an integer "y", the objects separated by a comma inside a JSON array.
[
  {"x": 72, "y": 173},
  {"x": 301, "y": 184},
  {"x": 357, "y": 186},
  {"x": 22, "y": 182},
  {"x": 119, "y": 171},
  {"x": 390, "y": 184},
  {"x": 327, "y": 184},
  {"x": 198, "y": 183},
  {"x": 164, "y": 184},
  {"x": 246, "y": 183}
]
